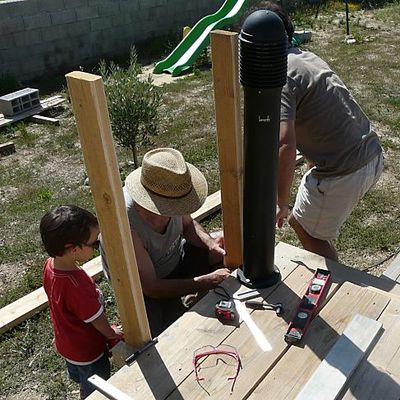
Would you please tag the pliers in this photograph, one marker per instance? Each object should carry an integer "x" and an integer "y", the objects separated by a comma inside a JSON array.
[{"x": 263, "y": 305}]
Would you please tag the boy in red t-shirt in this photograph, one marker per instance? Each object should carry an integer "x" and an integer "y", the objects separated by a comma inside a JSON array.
[{"x": 81, "y": 330}]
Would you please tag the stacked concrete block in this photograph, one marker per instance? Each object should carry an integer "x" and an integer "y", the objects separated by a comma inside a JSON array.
[{"x": 22, "y": 100}]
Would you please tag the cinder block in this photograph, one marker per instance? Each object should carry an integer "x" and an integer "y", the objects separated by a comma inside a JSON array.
[
  {"x": 108, "y": 9},
  {"x": 7, "y": 148},
  {"x": 6, "y": 41},
  {"x": 51, "y": 5},
  {"x": 36, "y": 68},
  {"x": 130, "y": 7},
  {"x": 156, "y": 13},
  {"x": 77, "y": 28},
  {"x": 75, "y": 4},
  {"x": 19, "y": 101},
  {"x": 18, "y": 8},
  {"x": 12, "y": 54},
  {"x": 86, "y": 13},
  {"x": 99, "y": 24},
  {"x": 62, "y": 17},
  {"x": 121, "y": 19},
  {"x": 37, "y": 21},
  {"x": 22, "y": 39},
  {"x": 53, "y": 33},
  {"x": 11, "y": 25}
]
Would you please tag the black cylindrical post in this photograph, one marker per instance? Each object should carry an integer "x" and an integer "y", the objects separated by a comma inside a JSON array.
[
  {"x": 263, "y": 69},
  {"x": 347, "y": 18}
]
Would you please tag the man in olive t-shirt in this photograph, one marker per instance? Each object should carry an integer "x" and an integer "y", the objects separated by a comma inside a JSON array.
[{"x": 320, "y": 117}]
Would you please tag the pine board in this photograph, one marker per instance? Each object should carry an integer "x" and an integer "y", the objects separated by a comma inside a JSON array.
[
  {"x": 44, "y": 105},
  {"x": 254, "y": 360},
  {"x": 299, "y": 363},
  {"x": 162, "y": 368},
  {"x": 393, "y": 271},
  {"x": 378, "y": 376},
  {"x": 343, "y": 358}
]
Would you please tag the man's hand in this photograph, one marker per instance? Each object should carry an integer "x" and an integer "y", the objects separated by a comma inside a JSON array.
[
  {"x": 218, "y": 245},
  {"x": 213, "y": 279},
  {"x": 282, "y": 213}
]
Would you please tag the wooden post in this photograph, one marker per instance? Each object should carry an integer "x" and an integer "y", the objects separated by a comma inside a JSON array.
[
  {"x": 224, "y": 49},
  {"x": 93, "y": 122}
]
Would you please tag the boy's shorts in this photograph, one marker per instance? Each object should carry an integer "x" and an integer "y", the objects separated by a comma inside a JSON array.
[
  {"x": 81, "y": 373},
  {"x": 323, "y": 204}
]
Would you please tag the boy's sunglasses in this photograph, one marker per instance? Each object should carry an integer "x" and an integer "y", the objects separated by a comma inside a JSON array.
[{"x": 95, "y": 245}]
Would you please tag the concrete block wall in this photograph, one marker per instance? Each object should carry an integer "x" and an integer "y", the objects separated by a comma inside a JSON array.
[{"x": 44, "y": 37}]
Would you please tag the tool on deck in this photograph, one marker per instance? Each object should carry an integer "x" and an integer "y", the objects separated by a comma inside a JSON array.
[
  {"x": 224, "y": 309},
  {"x": 137, "y": 353},
  {"x": 263, "y": 305},
  {"x": 250, "y": 294},
  {"x": 308, "y": 306}
]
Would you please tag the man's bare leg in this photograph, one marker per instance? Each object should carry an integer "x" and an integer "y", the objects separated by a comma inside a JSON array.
[{"x": 322, "y": 247}]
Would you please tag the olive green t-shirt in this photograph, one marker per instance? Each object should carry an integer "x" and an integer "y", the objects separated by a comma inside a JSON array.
[
  {"x": 332, "y": 131},
  {"x": 165, "y": 249}
]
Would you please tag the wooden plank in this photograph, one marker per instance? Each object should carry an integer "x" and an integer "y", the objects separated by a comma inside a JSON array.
[
  {"x": 27, "y": 306},
  {"x": 53, "y": 101},
  {"x": 92, "y": 119},
  {"x": 341, "y": 272},
  {"x": 378, "y": 376},
  {"x": 44, "y": 105},
  {"x": 211, "y": 205},
  {"x": 110, "y": 391},
  {"x": 224, "y": 50},
  {"x": 343, "y": 358},
  {"x": 161, "y": 369},
  {"x": 393, "y": 271},
  {"x": 9, "y": 120},
  {"x": 7, "y": 148},
  {"x": 299, "y": 157},
  {"x": 41, "y": 119},
  {"x": 298, "y": 364},
  {"x": 256, "y": 362}
]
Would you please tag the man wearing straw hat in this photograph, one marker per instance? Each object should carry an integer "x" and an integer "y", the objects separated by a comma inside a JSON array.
[{"x": 175, "y": 255}]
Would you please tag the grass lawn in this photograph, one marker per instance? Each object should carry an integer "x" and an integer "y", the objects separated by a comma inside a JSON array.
[{"x": 48, "y": 170}]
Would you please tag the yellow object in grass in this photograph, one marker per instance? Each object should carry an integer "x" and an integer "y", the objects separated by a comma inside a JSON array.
[
  {"x": 354, "y": 6},
  {"x": 185, "y": 31}
]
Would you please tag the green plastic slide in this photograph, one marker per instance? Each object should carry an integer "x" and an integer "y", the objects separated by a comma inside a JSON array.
[{"x": 185, "y": 54}]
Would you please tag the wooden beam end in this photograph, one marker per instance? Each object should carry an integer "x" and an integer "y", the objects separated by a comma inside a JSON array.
[
  {"x": 220, "y": 32},
  {"x": 83, "y": 76}
]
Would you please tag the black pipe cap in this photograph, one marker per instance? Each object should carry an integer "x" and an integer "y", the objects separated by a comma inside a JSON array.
[
  {"x": 263, "y": 26},
  {"x": 263, "y": 51}
]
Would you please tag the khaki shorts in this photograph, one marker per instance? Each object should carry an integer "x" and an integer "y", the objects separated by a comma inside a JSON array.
[{"x": 323, "y": 204}]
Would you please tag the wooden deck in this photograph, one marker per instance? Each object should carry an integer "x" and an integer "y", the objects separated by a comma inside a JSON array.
[{"x": 278, "y": 371}]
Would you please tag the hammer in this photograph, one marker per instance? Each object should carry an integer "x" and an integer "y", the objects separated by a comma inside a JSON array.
[{"x": 263, "y": 305}]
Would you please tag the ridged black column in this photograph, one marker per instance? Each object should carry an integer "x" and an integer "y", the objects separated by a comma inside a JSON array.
[{"x": 263, "y": 69}]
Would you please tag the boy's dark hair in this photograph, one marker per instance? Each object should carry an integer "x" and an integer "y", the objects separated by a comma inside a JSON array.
[
  {"x": 65, "y": 225},
  {"x": 277, "y": 9}
]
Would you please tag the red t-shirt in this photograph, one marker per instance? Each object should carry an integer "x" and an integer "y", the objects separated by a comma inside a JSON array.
[{"x": 74, "y": 302}]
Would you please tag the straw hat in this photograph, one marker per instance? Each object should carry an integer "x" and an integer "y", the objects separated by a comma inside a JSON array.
[{"x": 166, "y": 184}]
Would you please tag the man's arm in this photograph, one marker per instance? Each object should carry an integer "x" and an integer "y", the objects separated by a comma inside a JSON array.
[
  {"x": 157, "y": 288},
  {"x": 195, "y": 234},
  {"x": 287, "y": 164}
]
